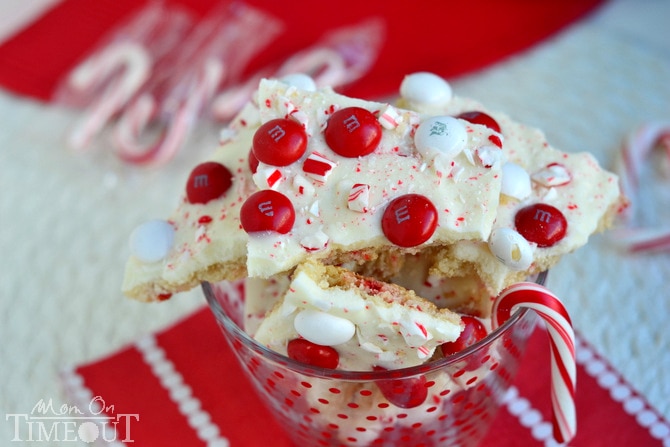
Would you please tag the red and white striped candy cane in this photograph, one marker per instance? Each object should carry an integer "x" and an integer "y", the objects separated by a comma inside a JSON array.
[
  {"x": 636, "y": 148},
  {"x": 562, "y": 342},
  {"x": 135, "y": 62}
]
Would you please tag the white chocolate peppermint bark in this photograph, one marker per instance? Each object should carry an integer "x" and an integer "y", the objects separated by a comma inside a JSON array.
[
  {"x": 369, "y": 323},
  {"x": 551, "y": 202},
  {"x": 207, "y": 241},
  {"x": 424, "y": 181},
  {"x": 480, "y": 200}
]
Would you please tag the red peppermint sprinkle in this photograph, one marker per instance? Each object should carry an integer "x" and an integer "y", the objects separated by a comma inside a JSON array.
[
  {"x": 409, "y": 220},
  {"x": 541, "y": 223},
  {"x": 267, "y": 210},
  {"x": 279, "y": 142},
  {"x": 204, "y": 220},
  {"x": 208, "y": 181},
  {"x": 353, "y": 132}
]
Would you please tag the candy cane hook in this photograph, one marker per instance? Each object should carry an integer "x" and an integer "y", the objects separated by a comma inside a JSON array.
[
  {"x": 183, "y": 109},
  {"x": 127, "y": 65},
  {"x": 636, "y": 148},
  {"x": 562, "y": 343}
]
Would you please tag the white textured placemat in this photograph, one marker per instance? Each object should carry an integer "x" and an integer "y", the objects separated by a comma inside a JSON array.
[{"x": 64, "y": 222}]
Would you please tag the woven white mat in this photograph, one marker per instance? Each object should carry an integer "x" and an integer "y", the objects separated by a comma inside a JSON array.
[{"x": 65, "y": 218}]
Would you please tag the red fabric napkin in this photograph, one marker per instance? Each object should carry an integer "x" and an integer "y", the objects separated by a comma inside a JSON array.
[
  {"x": 448, "y": 38},
  {"x": 194, "y": 360}
]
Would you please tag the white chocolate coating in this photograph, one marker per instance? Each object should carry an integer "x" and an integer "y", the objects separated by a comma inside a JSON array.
[
  {"x": 452, "y": 182},
  {"x": 339, "y": 209},
  {"x": 390, "y": 331}
]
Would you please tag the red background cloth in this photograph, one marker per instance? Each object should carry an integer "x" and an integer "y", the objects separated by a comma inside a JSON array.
[
  {"x": 609, "y": 411},
  {"x": 447, "y": 38}
]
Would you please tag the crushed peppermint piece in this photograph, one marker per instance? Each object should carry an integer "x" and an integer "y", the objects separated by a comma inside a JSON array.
[
  {"x": 554, "y": 174},
  {"x": 273, "y": 177},
  {"x": 315, "y": 242},
  {"x": 389, "y": 118},
  {"x": 302, "y": 186},
  {"x": 489, "y": 155},
  {"x": 318, "y": 167},
  {"x": 359, "y": 197}
]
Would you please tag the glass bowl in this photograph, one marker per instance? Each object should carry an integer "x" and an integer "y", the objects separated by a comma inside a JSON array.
[{"x": 450, "y": 401}]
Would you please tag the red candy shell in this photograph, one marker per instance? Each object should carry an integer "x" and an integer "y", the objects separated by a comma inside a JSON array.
[
  {"x": 252, "y": 161},
  {"x": 541, "y": 223},
  {"x": 267, "y": 210},
  {"x": 473, "y": 331},
  {"x": 482, "y": 118},
  {"x": 353, "y": 132},
  {"x": 404, "y": 393},
  {"x": 310, "y": 353},
  {"x": 208, "y": 181},
  {"x": 409, "y": 220},
  {"x": 280, "y": 142}
]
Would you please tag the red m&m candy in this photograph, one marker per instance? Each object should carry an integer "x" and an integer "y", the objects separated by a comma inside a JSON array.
[
  {"x": 208, "y": 181},
  {"x": 482, "y": 118},
  {"x": 353, "y": 132},
  {"x": 404, "y": 393},
  {"x": 267, "y": 210},
  {"x": 310, "y": 353},
  {"x": 409, "y": 220},
  {"x": 541, "y": 223},
  {"x": 279, "y": 142},
  {"x": 473, "y": 331},
  {"x": 252, "y": 162}
]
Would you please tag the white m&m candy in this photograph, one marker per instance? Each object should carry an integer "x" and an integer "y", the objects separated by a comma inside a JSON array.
[
  {"x": 515, "y": 181},
  {"x": 426, "y": 88},
  {"x": 441, "y": 134},
  {"x": 152, "y": 241},
  {"x": 323, "y": 328},
  {"x": 511, "y": 248},
  {"x": 300, "y": 80}
]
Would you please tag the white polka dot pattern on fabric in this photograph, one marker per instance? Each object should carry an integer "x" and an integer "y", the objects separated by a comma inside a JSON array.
[
  {"x": 529, "y": 417},
  {"x": 180, "y": 393},
  {"x": 84, "y": 400},
  {"x": 621, "y": 391}
]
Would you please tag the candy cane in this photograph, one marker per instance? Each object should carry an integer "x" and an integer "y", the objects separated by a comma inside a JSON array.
[
  {"x": 562, "y": 341},
  {"x": 135, "y": 64},
  {"x": 184, "y": 106},
  {"x": 637, "y": 146}
]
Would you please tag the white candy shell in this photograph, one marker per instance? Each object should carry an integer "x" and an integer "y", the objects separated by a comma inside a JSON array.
[
  {"x": 424, "y": 87},
  {"x": 511, "y": 248},
  {"x": 442, "y": 134},
  {"x": 322, "y": 328},
  {"x": 300, "y": 80},
  {"x": 152, "y": 240},
  {"x": 515, "y": 181}
]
